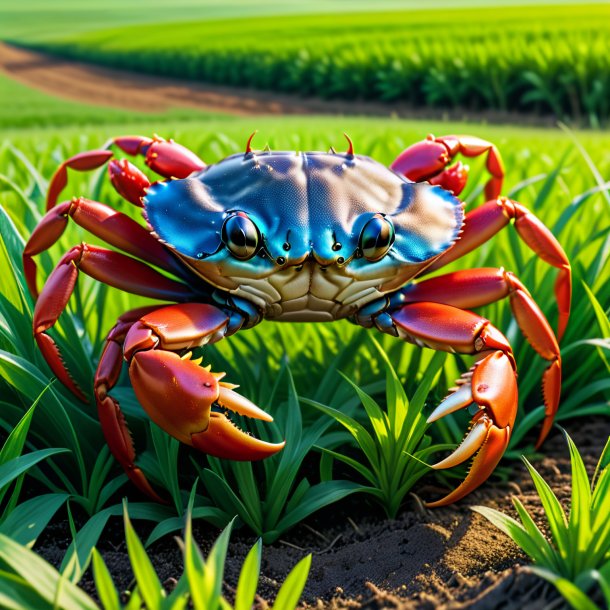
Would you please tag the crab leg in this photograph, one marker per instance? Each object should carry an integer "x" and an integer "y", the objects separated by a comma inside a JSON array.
[
  {"x": 178, "y": 394},
  {"x": 428, "y": 160},
  {"x": 478, "y": 287},
  {"x": 167, "y": 158},
  {"x": 484, "y": 222},
  {"x": 490, "y": 385},
  {"x": 111, "y": 417},
  {"x": 112, "y": 268},
  {"x": 115, "y": 228}
]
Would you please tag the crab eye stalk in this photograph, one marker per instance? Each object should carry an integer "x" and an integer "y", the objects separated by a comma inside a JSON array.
[
  {"x": 241, "y": 236},
  {"x": 376, "y": 238}
]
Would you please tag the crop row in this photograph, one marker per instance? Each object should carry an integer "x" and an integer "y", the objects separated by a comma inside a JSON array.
[{"x": 478, "y": 61}]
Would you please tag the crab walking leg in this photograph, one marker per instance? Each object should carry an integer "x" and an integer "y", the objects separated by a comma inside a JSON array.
[
  {"x": 178, "y": 394},
  {"x": 112, "y": 268},
  {"x": 478, "y": 287},
  {"x": 428, "y": 160},
  {"x": 82, "y": 162},
  {"x": 491, "y": 384},
  {"x": 110, "y": 415},
  {"x": 115, "y": 228},
  {"x": 165, "y": 157},
  {"x": 482, "y": 223}
]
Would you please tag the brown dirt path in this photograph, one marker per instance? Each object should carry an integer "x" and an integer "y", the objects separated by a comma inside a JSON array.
[{"x": 91, "y": 84}]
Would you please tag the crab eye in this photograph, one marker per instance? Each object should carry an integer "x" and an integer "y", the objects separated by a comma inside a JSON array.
[
  {"x": 241, "y": 236},
  {"x": 376, "y": 238}
]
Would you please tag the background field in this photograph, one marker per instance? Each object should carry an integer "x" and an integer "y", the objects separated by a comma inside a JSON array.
[
  {"x": 35, "y": 20},
  {"x": 550, "y": 61}
]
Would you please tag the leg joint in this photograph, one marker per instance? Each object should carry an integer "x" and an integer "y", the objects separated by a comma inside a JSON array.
[{"x": 139, "y": 338}]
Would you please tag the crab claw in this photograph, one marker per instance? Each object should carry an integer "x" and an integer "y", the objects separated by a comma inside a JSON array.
[
  {"x": 187, "y": 401},
  {"x": 493, "y": 388}
]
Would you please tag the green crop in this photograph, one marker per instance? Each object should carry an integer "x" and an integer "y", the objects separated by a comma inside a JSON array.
[
  {"x": 528, "y": 59},
  {"x": 394, "y": 443},
  {"x": 27, "y": 582},
  {"x": 24, "y": 522},
  {"x": 577, "y": 556}
]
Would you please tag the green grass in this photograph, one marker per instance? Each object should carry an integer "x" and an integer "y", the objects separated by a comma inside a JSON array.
[
  {"x": 577, "y": 556},
  {"x": 27, "y": 582},
  {"x": 531, "y": 59},
  {"x": 36, "y": 20}
]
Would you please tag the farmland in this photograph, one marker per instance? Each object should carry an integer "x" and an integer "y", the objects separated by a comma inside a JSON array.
[{"x": 529, "y": 59}]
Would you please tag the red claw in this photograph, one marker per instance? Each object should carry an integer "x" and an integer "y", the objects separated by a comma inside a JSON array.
[
  {"x": 422, "y": 160},
  {"x": 493, "y": 388},
  {"x": 178, "y": 396},
  {"x": 128, "y": 180},
  {"x": 429, "y": 159},
  {"x": 453, "y": 178},
  {"x": 172, "y": 160}
]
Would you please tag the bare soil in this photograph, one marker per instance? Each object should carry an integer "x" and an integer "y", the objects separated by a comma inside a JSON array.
[
  {"x": 442, "y": 559},
  {"x": 98, "y": 85}
]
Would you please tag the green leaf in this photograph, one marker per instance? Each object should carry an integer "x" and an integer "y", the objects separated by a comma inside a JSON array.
[
  {"x": 553, "y": 511},
  {"x": 77, "y": 556},
  {"x": 148, "y": 582},
  {"x": 571, "y": 593},
  {"x": 318, "y": 496},
  {"x": 42, "y": 577},
  {"x": 546, "y": 555},
  {"x": 600, "y": 314},
  {"x": 511, "y": 528},
  {"x": 602, "y": 463},
  {"x": 579, "y": 525},
  {"x": 290, "y": 592},
  {"x": 363, "y": 438},
  {"x": 13, "y": 446},
  {"x": 248, "y": 578},
  {"x": 16, "y": 593},
  {"x": 104, "y": 585},
  {"x": 27, "y": 523},
  {"x": 10, "y": 470}
]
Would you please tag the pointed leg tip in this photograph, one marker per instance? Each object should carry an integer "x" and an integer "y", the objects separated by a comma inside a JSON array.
[{"x": 138, "y": 478}]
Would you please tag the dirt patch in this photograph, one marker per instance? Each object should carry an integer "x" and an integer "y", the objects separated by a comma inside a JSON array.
[
  {"x": 448, "y": 559},
  {"x": 97, "y": 85}
]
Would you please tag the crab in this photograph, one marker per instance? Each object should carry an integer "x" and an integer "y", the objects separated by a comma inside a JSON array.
[{"x": 295, "y": 236}]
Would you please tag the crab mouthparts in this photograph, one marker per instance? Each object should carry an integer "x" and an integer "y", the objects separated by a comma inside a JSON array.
[{"x": 222, "y": 438}]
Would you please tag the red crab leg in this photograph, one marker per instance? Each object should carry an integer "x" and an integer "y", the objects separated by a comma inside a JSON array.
[
  {"x": 178, "y": 394},
  {"x": 112, "y": 268},
  {"x": 85, "y": 161},
  {"x": 478, "y": 287},
  {"x": 428, "y": 160},
  {"x": 482, "y": 223},
  {"x": 167, "y": 158},
  {"x": 111, "y": 417},
  {"x": 115, "y": 228},
  {"x": 491, "y": 384}
]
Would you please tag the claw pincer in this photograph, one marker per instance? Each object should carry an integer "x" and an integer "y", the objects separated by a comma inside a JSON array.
[
  {"x": 188, "y": 401},
  {"x": 492, "y": 387}
]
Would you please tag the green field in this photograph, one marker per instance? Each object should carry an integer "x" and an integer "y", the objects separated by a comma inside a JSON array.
[
  {"x": 37, "y": 20},
  {"x": 528, "y": 59}
]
